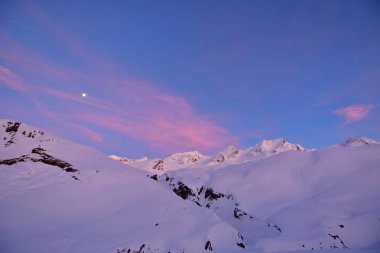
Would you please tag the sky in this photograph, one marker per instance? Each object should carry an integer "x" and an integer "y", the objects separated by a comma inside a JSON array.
[{"x": 173, "y": 76}]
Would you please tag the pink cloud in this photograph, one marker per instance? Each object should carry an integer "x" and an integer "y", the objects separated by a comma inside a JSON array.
[
  {"x": 75, "y": 97},
  {"x": 89, "y": 133},
  {"x": 119, "y": 102},
  {"x": 44, "y": 111},
  {"x": 33, "y": 63},
  {"x": 8, "y": 78},
  {"x": 354, "y": 112},
  {"x": 165, "y": 133}
]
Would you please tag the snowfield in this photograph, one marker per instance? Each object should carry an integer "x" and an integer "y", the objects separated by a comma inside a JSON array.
[{"x": 59, "y": 196}]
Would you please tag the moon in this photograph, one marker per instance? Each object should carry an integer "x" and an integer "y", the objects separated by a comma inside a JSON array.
[{"x": 84, "y": 94}]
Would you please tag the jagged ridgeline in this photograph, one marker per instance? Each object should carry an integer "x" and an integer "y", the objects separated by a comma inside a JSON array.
[{"x": 59, "y": 196}]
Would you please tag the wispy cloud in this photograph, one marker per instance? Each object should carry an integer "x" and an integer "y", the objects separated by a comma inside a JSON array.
[
  {"x": 75, "y": 97},
  {"x": 165, "y": 133},
  {"x": 91, "y": 134},
  {"x": 11, "y": 80},
  {"x": 116, "y": 101},
  {"x": 354, "y": 113}
]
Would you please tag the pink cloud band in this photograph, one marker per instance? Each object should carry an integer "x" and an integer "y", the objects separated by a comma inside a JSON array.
[
  {"x": 8, "y": 78},
  {"x": 354, "y": 112},
  {"x": 116, "y": 101}
]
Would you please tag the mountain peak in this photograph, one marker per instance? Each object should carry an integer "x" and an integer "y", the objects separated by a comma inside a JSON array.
[
  {"x": 127, "y": 160},
  {"x": 230, "y": 152},
  {"x": 186, "y": 157},
  {"x": 277, "y": 145},
  {"x": 14, "y": 132},
  {"x": 357, "y": 141}
]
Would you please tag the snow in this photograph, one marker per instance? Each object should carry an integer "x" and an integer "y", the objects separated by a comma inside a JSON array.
[
  {"x": 359, "y": 141},
  {"x": 194, "y": 159},
  {"x": 273, "y": 197},
  {"x": 111, "y": 206}
]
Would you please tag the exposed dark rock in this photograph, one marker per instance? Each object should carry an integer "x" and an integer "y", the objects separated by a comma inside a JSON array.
[
  {"x": 220, "y": 159},
  {"x": 239, "y": 213},
  {"x": 208, "y": 246},
  {"x": 200, "y": 190},
  {"x": 277, "y": 227},
  {"x": 141, "y": 249},
  {"x": 211, "y": 195},
  {"x": 14, "y": 160},
  {"x": 341, "y": 226},
  {"x": 241, "y": 245},
  {"x": 44, "y": 158},
  {"x": 336, "y": 237},
  {"x": 159, "y": 165},
  {"x": 183, "y": 190},
  {"x": 50, "y": 160},
  {"x": 9, "y": 142},
  {"x": 12, "y": 127},
  {"x": 154, "y": 177}
]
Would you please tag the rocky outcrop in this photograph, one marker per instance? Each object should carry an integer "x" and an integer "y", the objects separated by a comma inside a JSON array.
[
  {"x": 43, "y": 157},
  {"x": 224, "y": 205}
]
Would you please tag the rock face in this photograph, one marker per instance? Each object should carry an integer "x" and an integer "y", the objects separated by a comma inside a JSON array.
[
  {"x": 42, "y": 157},
  {"x": 32, "y": 141},
  {"x": 224, "y": 205}
]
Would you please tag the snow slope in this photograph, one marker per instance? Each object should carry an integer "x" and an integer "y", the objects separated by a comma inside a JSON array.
[
  {"x": 59, "y": 196},
  {"x": 320, "y": 199}
]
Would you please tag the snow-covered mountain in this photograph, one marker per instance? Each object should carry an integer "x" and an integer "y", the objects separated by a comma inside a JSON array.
[
  {"x": 194, "y": 159},
  {"x": 59, "y": 196},
  {"x": 359, "y": 141}
]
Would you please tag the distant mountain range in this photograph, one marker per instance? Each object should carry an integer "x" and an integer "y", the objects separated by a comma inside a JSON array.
[
  {"x": 230, "y": 156},
  {"x": 59, "y": 196}
]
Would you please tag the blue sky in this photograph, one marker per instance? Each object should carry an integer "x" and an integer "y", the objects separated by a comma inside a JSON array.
[{"x": 167, "y": 76}]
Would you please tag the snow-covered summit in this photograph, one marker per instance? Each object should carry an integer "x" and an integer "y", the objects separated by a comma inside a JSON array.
[
  {"x": 186, "y": 158},
  {"x": 12, "y": 132},
  {"x": 262, "y": 150},
  {"x": 127, "y": 160},
  {"x": 277, "y": 146},
  {"x": 230, "y": 152},
  {"x": 121, "y": 159},
  {"x": 359, "y": 141},
  {"x": 230, "y": 155}
]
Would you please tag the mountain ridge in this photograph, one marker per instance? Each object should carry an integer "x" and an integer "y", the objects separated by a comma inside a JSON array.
[
  {"x": 286, "y": 201},
  {"x": 230, "y": 155}
]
